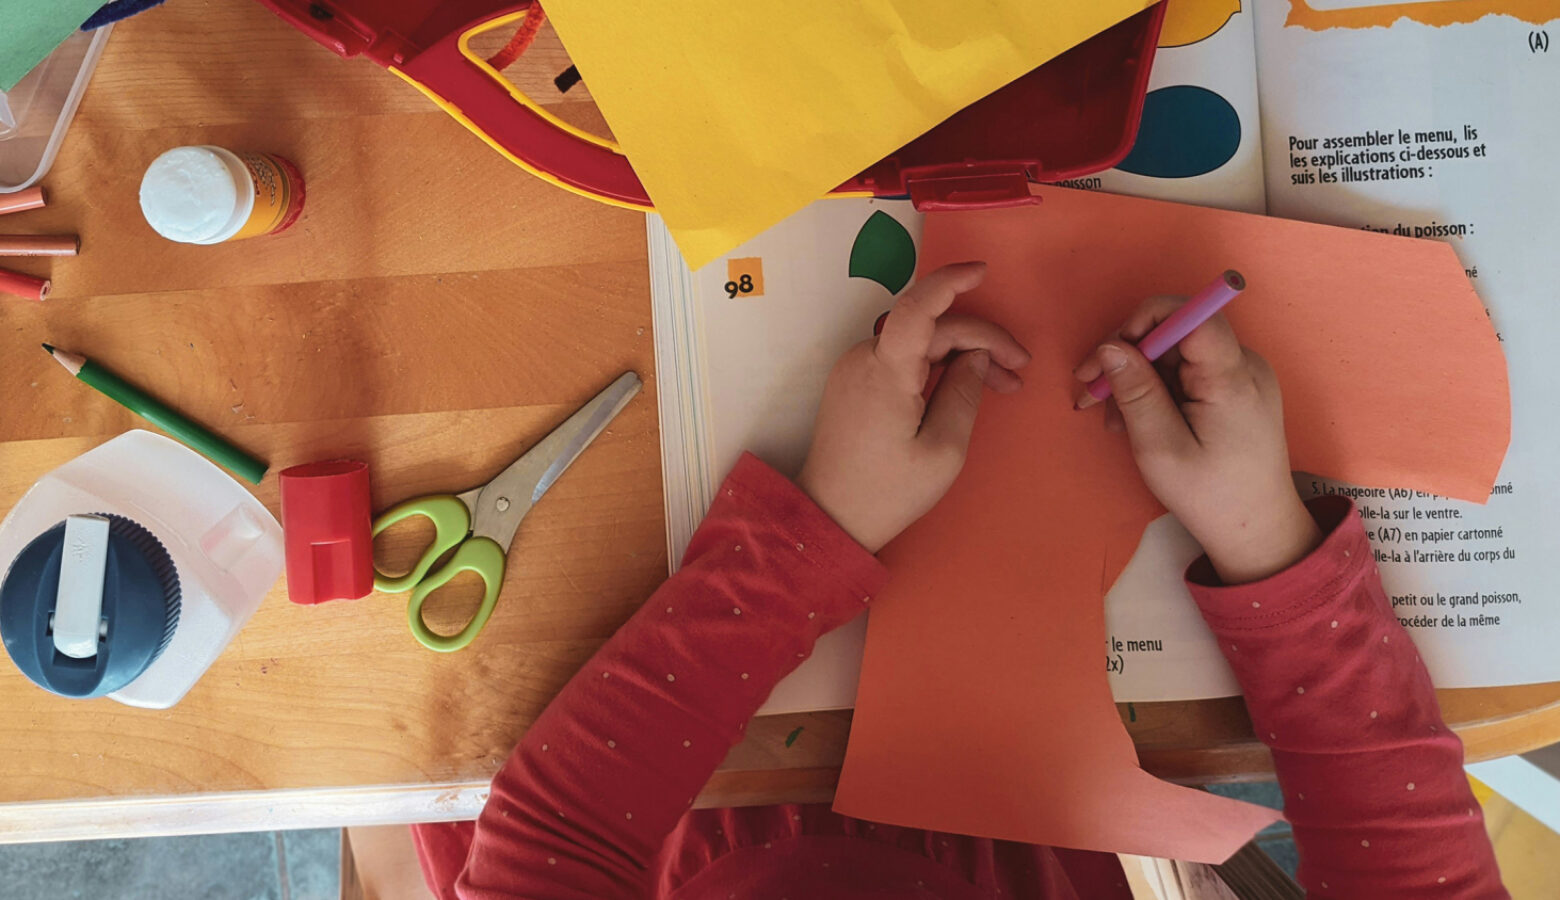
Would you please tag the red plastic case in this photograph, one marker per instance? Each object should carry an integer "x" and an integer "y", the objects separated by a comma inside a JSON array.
[{"x": 1074, "y": 115}]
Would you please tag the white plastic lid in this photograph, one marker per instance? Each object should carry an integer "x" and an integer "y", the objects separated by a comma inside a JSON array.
[{"x": 196, "y": 195}]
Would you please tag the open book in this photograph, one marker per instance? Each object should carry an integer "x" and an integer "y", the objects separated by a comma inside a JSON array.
[{"x": 1437, "y": 122}]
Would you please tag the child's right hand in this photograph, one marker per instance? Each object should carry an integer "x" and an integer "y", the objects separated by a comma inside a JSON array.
[{"x": 1206, "y": 425}]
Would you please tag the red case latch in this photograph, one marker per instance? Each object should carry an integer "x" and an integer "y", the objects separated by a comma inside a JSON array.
[{"x": 970, "y": 187}]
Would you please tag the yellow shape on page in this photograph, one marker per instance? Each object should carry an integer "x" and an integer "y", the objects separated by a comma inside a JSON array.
[
  {"x": 1190, "y": 21},
  {"x": 737, "y": 113}
]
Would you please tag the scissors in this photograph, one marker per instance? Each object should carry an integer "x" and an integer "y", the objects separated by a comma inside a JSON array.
[{"x": 480, "y": 524}]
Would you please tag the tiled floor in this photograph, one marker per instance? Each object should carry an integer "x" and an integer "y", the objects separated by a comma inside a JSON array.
[
  {"x": 268, "y": 865},
  {"x": 1275, "y": 840}
]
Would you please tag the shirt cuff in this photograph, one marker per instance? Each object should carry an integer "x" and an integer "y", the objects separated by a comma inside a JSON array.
[
  {"x": 1312, "y": 582},
  {"x": 764, "y": 494}
]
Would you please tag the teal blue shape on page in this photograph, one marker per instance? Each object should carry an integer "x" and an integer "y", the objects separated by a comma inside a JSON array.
[
  {"x": 31, "y": 29},
  {"x": 1186, "y": 131},
  {"x": 883, "y": 252}
]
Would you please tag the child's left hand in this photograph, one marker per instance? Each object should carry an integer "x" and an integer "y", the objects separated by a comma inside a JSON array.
[{"x": 882, "y": 456}]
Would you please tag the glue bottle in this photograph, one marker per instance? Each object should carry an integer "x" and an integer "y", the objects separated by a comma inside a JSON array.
[
  {"x": 129, "y": 569},
  {"x": 207, "y": 195}
]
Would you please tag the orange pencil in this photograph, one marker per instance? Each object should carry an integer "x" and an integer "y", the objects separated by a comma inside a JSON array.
[
  {"x": 23, "y": 285},
  {"x": 32, "y": 198},
  {"x": 39, "y": 245}
]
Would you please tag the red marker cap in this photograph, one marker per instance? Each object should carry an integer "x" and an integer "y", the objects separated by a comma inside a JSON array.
[{"x": 326, "y": 521}]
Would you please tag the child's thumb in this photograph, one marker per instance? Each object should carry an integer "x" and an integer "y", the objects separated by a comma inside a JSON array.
[
  {"x": 950, "y": 414},
  {"x": 1153, "y": 420}
]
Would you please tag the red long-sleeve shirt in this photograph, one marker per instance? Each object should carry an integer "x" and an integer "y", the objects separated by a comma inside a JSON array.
[{"x": 594, "y": 802}]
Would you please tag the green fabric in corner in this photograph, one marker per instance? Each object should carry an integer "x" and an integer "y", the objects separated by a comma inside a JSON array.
[{"x": 31, "y": 29}]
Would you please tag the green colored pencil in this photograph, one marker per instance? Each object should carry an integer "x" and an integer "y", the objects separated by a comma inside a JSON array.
[{"x": 152, "y": 410}]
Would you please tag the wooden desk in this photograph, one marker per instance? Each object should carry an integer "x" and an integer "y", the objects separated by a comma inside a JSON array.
[{"x": 435, "y": 310}]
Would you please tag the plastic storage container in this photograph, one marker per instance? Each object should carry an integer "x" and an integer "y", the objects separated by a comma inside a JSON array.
[
  {"x": 35, "y": 114},
  {"x": 225, "y": 547}
]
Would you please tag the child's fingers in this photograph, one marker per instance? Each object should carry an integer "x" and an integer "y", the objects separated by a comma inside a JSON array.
[
  {"x": 1003, "y": 381},
  {"x": 1212, "y": 360},
  {"x": 1149, "y": 314},
  {"x": 1137, "y": 326},
  {"x": 1114, "y": 423},
  {"x": 907, "y": 333},
  {"x": 1167, "y": 365},
  {"x": 1212, "y": 344},
  {"x": 1090, "y": 368},
  {"x": 955, "y": 332},
  {"x": 950, "y": 413},
  {"x": 1152, "y": 418},
  {"x": 1211, "y": 354}
]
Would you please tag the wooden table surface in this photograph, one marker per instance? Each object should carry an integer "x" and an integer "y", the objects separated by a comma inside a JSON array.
[{"x": 435, "y": 311}]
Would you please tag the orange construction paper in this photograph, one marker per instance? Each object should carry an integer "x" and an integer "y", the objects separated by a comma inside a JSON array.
[
  {"x": 984, "y": 707},
  {"x": 1437, "y": 13}
]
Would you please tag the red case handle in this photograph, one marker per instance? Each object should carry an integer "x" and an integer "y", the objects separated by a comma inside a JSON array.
[
  {"x": 493, "y": 108},
  {"x": 977, "y": 188}
]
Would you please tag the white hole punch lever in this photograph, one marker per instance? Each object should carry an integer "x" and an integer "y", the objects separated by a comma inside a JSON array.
[{"x": 78, "y": 603}]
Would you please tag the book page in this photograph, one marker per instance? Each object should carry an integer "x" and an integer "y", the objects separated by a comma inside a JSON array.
[
  {"x": 1199, "y": 140},
  {"x": 1434, "y": 131},
  {"x": 767, "y": 322},
  {"x": 768, "y": 350},
  {"x": 1442, "y": 126},
  {"x": 1434, "y": 127},
  {"x": 1471, "y": 582}
]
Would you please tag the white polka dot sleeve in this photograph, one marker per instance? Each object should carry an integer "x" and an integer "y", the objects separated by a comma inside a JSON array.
[
  {"x": 1372, "y": 778},
  {"x": 588, "y": 797}
]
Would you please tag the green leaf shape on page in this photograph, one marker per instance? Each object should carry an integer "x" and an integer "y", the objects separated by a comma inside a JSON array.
[{"x": 883, "y": 252}]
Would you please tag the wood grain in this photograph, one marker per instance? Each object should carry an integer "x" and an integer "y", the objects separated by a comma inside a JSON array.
[{"x": 434, "y": 312}]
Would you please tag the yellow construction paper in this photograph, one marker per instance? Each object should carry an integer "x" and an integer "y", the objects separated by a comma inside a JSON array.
[{"x": 736, "y": 114}]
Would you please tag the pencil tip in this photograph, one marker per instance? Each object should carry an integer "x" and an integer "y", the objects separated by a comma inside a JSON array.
[{"x": 49, "y": 348}]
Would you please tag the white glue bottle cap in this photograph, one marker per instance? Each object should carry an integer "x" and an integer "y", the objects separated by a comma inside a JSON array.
[{"x": 197, "y": 195}]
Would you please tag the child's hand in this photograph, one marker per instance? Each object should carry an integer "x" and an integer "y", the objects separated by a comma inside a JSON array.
[
  {"x": 882, "y": 456},
  {"x": 1207, "y": 431}
]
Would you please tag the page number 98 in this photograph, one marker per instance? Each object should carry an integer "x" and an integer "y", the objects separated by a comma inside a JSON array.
[
  {"x": 744, "y": 277},
  {"x": 743, "y": 285}
]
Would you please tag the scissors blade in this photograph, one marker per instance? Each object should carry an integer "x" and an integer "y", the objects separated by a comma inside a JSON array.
[{"x": 504, "y": 501}]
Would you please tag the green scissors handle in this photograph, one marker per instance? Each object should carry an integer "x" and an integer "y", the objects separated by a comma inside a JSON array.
[
  {"x": 480, "y": 555},
  {"x": 451, "y": 524},
  {"x": 451, "y": 527}
]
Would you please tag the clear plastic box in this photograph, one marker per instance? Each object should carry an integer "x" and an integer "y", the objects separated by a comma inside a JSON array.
[{"x": 35, "y": 115}]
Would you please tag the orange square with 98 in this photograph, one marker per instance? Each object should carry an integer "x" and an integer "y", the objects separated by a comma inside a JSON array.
[{"x": 745, "y": 277}]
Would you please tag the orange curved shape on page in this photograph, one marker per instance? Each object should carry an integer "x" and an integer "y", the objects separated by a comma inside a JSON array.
[
  {"x": 984, "y": 706},
  {"x": 1437, "y": 13},
  {"x": 1190, "y": 21}
]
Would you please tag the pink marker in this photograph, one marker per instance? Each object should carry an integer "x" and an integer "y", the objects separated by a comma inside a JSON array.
[{"x": 1181, "y": 323}]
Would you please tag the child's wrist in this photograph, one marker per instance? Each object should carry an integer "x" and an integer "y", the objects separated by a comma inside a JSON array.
[
  {"x": 861, "y": 531},
  {"x": 1264, "y": 547}
]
